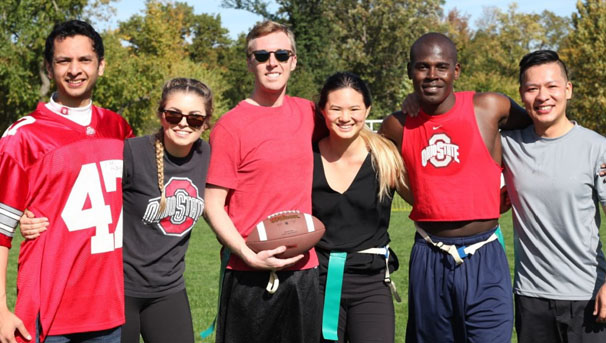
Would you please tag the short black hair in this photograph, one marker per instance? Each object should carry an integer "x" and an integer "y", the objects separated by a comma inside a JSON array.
[
  {"x": 72, "y": 28},
  {"x": 541, "y": 57},
  {"x": 342, "y": 80}
]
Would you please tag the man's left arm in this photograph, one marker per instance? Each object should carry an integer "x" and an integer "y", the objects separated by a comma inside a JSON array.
[
  {"x": 516, "y": 119},
  {"x": 507, "y": 113},
  {"x": 599, "y": 308}
]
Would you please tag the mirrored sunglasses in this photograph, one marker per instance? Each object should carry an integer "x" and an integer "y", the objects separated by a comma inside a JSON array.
[
  {"x": 281, "y": 55},
  {"x": 174, "y": 117}
]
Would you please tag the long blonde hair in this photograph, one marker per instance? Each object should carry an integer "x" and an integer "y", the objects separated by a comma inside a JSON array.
[
  {"x": 387, "y": 163},
  {"x": 184, "y": 85},
  {"x": 386, "y": 159}
]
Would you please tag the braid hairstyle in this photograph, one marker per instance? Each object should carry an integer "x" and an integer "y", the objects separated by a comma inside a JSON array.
[
  {"x": 159, "y": 146},
  {"x": 184, "y": 85},
  {"x": 386, "y": 160}
]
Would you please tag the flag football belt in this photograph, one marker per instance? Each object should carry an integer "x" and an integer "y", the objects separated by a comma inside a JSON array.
[
  {"x": 459, "y": 253},
  {"x": 334, "y": 284},
  {"x": 384, "y": 251}
]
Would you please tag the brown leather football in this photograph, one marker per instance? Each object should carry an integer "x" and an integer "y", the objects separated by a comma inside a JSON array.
[{"x": 298, "y": 231}]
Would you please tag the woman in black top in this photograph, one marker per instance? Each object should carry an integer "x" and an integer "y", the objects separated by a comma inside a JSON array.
[
  {"x": 355, "y": 174},
  {"x": 163, "y": 184}
]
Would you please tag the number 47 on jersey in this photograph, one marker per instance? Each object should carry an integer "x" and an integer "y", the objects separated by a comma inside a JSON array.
[{"x": 98, "y": 216}]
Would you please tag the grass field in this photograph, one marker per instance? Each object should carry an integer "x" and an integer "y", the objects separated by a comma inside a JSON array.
[{"x": 203, "y": 269}]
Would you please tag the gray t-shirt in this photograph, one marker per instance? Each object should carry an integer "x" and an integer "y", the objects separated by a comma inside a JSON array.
[{"x": 555, "y": 190}]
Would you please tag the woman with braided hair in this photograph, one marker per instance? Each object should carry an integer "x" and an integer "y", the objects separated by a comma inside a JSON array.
[
  {"x": 163, "y": 183},
  {"x": 163, "y": 190}
]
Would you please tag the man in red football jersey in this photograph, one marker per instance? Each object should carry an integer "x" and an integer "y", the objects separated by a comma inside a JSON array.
[{"x": 64, "y": 162}]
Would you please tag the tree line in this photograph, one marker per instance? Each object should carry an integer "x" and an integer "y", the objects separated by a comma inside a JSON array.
[{"x": 368, "y": 37}]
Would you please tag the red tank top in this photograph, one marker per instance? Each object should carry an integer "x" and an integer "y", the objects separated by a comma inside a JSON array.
[{"x": 451, "y": 172}]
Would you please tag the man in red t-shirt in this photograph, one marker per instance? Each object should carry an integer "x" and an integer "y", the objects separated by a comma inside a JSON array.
[
  {"x": 64, "y": 162},
  {"x": 261, "y": 163},
  {"x": 452, "y": 153}
]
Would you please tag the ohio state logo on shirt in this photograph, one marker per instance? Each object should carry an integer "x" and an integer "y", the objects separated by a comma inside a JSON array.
[
  {"x": 183, "y": 208},
  {"x": 440, "y": 151}
]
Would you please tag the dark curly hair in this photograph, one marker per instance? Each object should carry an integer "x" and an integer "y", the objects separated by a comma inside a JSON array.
[{"x": 72, "y": 28}]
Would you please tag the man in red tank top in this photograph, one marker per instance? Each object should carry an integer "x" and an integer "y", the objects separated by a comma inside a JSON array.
[{"x": 452, "y": 151}]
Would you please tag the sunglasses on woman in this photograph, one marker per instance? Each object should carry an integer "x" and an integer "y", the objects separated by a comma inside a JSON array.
[
  {"x": 281, "y": 55},
  {"x": 174, "y": 117}
]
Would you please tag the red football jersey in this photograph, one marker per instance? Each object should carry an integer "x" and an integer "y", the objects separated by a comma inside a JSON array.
[{"x": 71, "y": 276}]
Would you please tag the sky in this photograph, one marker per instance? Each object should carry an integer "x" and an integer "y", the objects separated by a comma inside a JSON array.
[{"x": 238, "y": 21}]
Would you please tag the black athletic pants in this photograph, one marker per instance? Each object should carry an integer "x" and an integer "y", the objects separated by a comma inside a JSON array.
[
  {"x": 367, "y": 310},
  {"x": 158, "y": 320},
  {"x": 557, "y": 321}
]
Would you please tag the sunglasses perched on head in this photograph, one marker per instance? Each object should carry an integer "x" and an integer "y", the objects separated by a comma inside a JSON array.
[
  {"x": 174, "y": 117},
  {"x": 281, "y": 55}
]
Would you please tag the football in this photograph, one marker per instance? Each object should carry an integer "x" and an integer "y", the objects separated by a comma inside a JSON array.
[{"x": 297, "y": 231}]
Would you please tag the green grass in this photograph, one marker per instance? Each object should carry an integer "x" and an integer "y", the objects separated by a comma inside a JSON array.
[{"x": 203, "y": 269}]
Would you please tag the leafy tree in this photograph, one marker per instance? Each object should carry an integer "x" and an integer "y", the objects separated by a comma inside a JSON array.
[
  {"x": 584, "y": 51},
  {"x": 210, "y": 42},
  {"x": 145, "y": 52},
  {"x": 374, "y": 38},
  {"x": 317, "y": 57},
  {"x": 458, "y": 29},
  {"x": 235, "y": 72},
  {"x": 490, "y": 58},
  {"x": 260, "y": 7},
  {"x": 212, "y": 47}
]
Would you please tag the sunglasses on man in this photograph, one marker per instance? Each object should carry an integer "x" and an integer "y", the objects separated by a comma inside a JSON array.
[
  {"x": 175, "y": 117},
  {"x": 281, "y": 55}
]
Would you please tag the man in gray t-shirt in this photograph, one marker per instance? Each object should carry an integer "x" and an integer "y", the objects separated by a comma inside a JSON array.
[{"x": 552, "y": 175}]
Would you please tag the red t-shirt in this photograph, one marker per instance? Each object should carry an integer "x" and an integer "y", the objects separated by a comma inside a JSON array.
[
  {"x": 71, "y": 276},
  {"x": 263, "y": 155},
  {"x": 452, "y": 174}
]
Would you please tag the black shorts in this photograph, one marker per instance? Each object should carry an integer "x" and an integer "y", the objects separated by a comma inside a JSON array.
[
  {"x": 249, "y": 314},
  {"x": 547, "y": 320}
]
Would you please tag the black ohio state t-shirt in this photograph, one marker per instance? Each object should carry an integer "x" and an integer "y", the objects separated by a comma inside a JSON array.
[{"x": 155, "y": 242}]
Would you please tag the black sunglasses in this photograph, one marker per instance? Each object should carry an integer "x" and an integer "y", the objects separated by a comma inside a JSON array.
[
  {"x": 174, "y": 117},
  {"x": 263, "y": 55}
]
